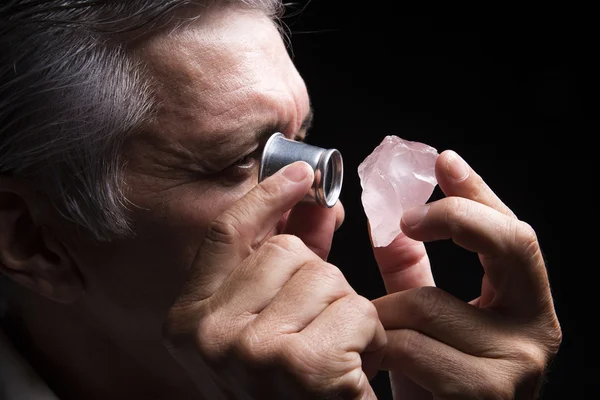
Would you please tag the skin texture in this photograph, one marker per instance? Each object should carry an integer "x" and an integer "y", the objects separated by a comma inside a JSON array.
[
  {"x": 223, "y": 290},
  {"x": 504, "y": 339}
]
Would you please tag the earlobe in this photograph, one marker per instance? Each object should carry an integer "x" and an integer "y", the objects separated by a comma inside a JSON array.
[{"x": 30, "y": 254}]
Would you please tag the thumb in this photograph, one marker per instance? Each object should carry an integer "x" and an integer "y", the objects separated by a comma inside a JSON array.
[{"x": 234, "y": 234}]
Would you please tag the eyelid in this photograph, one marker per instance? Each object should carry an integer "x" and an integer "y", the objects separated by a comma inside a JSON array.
[
  {"x": 236, "y": 172},
  {"x": 250, "y": 156},
  {"x": 253, "y": 155},
  {"x": 256, "y": 152}
]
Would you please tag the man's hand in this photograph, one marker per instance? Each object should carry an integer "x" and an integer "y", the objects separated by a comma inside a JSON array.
[
  {"x": 264, "y": 316},
  {"x": 496, "y": 346}
]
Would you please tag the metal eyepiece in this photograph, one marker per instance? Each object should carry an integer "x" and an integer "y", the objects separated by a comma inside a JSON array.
[{"x": 326, "y": 163}]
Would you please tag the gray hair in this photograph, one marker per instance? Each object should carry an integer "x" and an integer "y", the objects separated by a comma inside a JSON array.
[{"x": 70, "y": 93}]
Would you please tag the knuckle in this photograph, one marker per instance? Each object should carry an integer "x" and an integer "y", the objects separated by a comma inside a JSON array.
[
  {"x": 526, "y": 237},
  {"x": 223, "y": 230},
  {"x": 363, "y": 306},
  {"x": 254, "y": 349},
  {"x": 456, "y": 207},
  {"x": 325, "y": 272},
  {"x": 286, "y": 244},
  {"x": 409, "y": 342},
  {"x": 519, "y": 376},
  {"x": 456, "y": 211},
  {"x": 211, "y": 338},
  {"x": 323, "y": 279},
  {"x": 264, "y": 193},
  {"x": 351, "y": 384},
  {"x": 533, "y": 360},
  {"x": 426, "y": 305},
  {"x": 294, "y": 358},
  {"x": 331, "y": 272},
  {"x": 324, "y": 373},
  {"x": 479, "y": 190},
  {"x": 554, "y": 336}
]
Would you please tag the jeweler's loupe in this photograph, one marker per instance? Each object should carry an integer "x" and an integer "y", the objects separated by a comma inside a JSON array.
[{"x": 327, "y": 165}]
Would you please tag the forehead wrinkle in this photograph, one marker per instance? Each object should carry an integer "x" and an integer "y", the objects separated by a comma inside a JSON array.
[
  {"x": 212, "y": 78},
  {"x": 238, "y": 121},
  {"x": 215, "y": 48},
  {"x": 221, "y": 86}
]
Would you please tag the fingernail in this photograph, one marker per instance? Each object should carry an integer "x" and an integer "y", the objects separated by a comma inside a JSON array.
[
  {"x": 296, "y": 172},
  {"x": 413, "y": 216},
  {"x": 457, "y": 167}
]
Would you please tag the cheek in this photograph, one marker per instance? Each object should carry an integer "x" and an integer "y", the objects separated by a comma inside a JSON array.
[
  {"x": 144, "y": 274},
  {"x": 185, "y": 217}
]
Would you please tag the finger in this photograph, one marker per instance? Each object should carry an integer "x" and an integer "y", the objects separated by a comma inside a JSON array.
[
  {"x": 508, "y": 248},
  {"x": 314, "y": 287},
  {"x": 340, "y": 214},
  {"x": 403, "y": 388},
  {"x": 349, "y": 336},
  {"x": 441, "y": 369},
  {"x": 253, "y": 285},
  {"x": 456, "y": 178},
  {"x": 445, "y": 318},
  {"x": 234, "y": 235},
  {"x": 315, "y": 225},
  {"x": 403, "y": 264}
]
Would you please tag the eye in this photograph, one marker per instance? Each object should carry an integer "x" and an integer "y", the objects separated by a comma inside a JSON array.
[
  {"x": 242, "y": 169},
  {"x": 246, "y": 162},
  {"x": 246, "y": 166}
]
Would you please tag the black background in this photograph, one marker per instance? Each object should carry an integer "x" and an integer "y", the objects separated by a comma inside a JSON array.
[{"x": 513, "y": 90}]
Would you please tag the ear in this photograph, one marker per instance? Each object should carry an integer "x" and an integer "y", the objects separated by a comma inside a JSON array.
[{"x": 29, "y": 252}]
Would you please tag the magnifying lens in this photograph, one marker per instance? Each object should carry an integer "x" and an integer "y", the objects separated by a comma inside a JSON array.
[{"x": 327, "y": 165}]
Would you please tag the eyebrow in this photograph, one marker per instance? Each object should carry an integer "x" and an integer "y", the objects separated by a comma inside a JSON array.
[
  {"x": 261, "y": 136},
  {"x": 267, "y": 131},
  {"x": 214, "y": 149}
]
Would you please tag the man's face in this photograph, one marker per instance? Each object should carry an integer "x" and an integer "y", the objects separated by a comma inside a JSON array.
[{"x": 224, "y": 83}]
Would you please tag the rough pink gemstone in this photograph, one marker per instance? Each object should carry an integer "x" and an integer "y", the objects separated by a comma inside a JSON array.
[{"x": 397, "y": 175}]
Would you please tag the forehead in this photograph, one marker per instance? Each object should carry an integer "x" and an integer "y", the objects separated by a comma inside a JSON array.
[{"x": 224, "y": 76}]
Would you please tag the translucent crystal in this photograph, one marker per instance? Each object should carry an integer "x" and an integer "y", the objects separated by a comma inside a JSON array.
[{"x": 397, "y": 175}]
